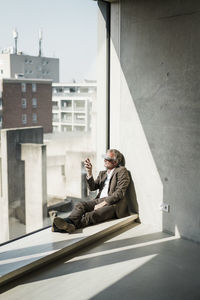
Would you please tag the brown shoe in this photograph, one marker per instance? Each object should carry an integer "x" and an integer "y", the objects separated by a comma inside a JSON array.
[{"x": 63, "y": 225}]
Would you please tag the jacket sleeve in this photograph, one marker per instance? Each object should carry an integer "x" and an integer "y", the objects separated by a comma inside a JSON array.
[
  {"x": 93, "y": 184},
  {"x": 123, "y": 181}
]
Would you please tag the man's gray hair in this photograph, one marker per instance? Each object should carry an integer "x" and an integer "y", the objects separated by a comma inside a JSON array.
[{"x": 119, "y": 157}]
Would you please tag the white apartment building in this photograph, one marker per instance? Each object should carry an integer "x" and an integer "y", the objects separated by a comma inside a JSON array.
[
  {"x": 72, "y": 106},
  {"x": 20, "y": 65}
]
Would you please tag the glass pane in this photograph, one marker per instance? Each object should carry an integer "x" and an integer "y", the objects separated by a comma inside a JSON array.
[{"x": 48, "y": 112}]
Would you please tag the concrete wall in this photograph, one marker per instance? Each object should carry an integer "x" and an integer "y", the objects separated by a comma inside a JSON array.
[
  {"x": 65, "y": 152},
  {"x": 155, "y": 87},
  {"x": 23, "y": 182},
  {"x": 34, "y": 157}
]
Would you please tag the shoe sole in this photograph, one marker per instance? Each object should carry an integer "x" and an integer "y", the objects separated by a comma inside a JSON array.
[{"x": 63, "y": 225}]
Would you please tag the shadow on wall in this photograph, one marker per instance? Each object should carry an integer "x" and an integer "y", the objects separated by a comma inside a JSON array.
[
  {"x": 155, "y": 73},
  {"x": 126, "y": 129},
  {"x": 132, "y": 198}
]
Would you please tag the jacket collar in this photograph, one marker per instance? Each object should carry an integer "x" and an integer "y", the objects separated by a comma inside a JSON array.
[{"x": 105, "y": 175}]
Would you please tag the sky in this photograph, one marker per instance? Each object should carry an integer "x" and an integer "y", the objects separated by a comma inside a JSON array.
[{"x": 69, "y": 32}]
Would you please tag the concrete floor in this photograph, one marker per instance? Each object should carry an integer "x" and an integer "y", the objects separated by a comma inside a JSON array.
[{"x": 139, "y": 263}]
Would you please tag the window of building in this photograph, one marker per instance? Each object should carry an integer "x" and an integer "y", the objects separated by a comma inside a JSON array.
[
  {"x": 83, "y": 89},
  {"x": 59, "y": 90},
  {"x": 23, "y": 87},
  {"x": 30, "y": 61},
  {"x": 55, "y": 128},
  {"x": 73, "y": 89},
  {"x": 79, "y": 104},
  {"x": 1, "y": 71},
  {"x": 34, "y": 118},
  {"x": 79, "y": 128},
  {"x": 23, "y": 102},
  {"x": 63, "y": 170},
  {"x": 34, "y": 102},
  {"x": 66, "y": 128},
  {"x": 55, "y": 117},
  {"x": 66, "y": 104},
  {"x": 66, "y": 117},
  {"x": 55, "y": 105},
  {"x": 30, "y": 72},
  {"x": 34, "y": 87},
  {"x": 66, "y": 90},
  {"x": 24, "y": 119},
  {"x": 79, "y": 118}
]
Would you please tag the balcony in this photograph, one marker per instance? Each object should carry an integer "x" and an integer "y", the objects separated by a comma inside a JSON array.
[
  {"x": 66, "y": 120},
  {"x": 79, "y": 121},
  {"x": 55, "y": 107},
  {"x": 66, "y": 108},
  {"x": 56, "y": 119},
  {"x": 77, "y": 108}
]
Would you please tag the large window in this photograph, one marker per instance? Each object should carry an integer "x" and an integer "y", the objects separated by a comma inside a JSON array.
[{"x": 54, "y": 101}]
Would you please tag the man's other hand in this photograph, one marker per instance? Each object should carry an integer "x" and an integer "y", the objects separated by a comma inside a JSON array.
[
  {"x": 88, "y": 167},
  {"x": 102, "y": 204}
]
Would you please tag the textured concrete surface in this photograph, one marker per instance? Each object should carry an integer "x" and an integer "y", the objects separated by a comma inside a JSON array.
[
  {"x": 140, "y": 263},
  {"x": 155, "y": 72}
]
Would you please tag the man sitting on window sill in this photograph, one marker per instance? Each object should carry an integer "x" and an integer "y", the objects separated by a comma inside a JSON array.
[{"x": 110, "y": 202}]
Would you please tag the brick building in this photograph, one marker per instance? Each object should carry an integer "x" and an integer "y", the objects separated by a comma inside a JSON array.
[{"x": 25, "y": 103}]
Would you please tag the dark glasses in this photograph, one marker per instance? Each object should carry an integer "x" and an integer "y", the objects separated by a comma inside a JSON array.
[{"x": 108, "y": 158}]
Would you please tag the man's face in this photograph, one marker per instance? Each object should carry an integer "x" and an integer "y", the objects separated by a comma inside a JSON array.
[{"x": 109, "y": 161}]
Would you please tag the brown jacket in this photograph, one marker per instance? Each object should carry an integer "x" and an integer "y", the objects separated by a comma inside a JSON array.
[{"x": 118, "y": 185}]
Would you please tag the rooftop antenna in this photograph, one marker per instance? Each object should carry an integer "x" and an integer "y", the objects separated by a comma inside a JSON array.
[
  {"x": 15, "y": 36},
  {"x": 40, "y": 42}
]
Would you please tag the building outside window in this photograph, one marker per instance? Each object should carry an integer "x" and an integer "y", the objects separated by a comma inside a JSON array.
[
  {"x": 66, "y": 117},
  {"x": 66, "y": 104},
  {"x": 55, "y": 118},
  {"x": 34, "y": 102},
  {"x": 79, "y": 104},
  {"x": 73, "y": 89},
  {"x": 34, "y": 87},
  {"x": 34, "y": 118},
  {"x": 65, "y": 128},
  {"x": 79, "y": 128},
  {"x": 79, "y": 118},
  {"x": 71, "y": 140},
  {"x": 23, "y": 87},
  {"x": 24, "y": 103},
  {"x": 55, "y": 105},
  {"x": 24, "y": 119},
  {"x": 55, "y": 128}
]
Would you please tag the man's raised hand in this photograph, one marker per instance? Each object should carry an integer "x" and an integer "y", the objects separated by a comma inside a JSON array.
[{"x": 88, "y": 167}]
